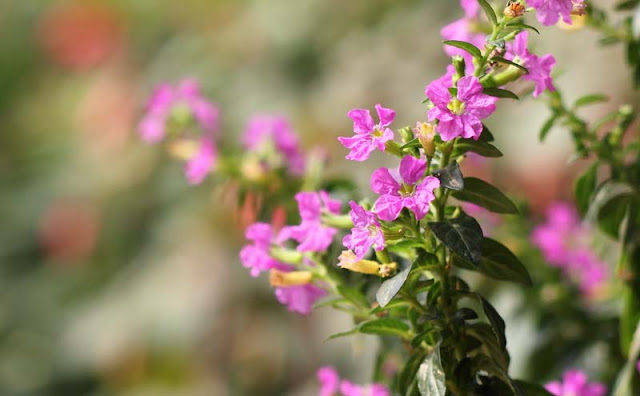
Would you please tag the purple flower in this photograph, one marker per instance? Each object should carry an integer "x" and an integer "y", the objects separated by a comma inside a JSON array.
[
  {"x": 368, "y": 135},
  {"x": 575, "y": 383},
  {"x": 349, "y": 389},
  {"x": 550, "y": 11},
  {"x": 365, "y": 233},
  {"x": 166, "y": 99},
  {"x": 415, "y": 193},
  {"x": 255, "y": 256},
  {"x": 463, "y": 30},
  {"x": 329, "y": 381},
  {"x": 459, "y": 115},
  {"x": 539, "y": 67},
  {"x": 299, "y": 298},
  {"x": 311, "y": 234},
  {"x": 198, "y": 166},
  {"x": 266, "y": 132}
]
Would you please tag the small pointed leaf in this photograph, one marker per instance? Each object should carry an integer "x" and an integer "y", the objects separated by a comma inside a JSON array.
[
  {"x": 484, "y": 194},
  {"x": 462, "y": 235},
  {"x": 479, "y": 147},
  {"x": 585, "y": 187},
  {"x": 390, "y": 287},
  {"x": 488, "y": 10},
  {"x": 463, "y": 45},
  {"x": 500, "y": 93},
  {"x": 385, "y": 326}
]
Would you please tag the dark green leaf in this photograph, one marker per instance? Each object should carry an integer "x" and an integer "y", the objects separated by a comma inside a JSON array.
[
  {"x": 390, "y": 287},
  {"x": 627, "y": 5},
  {"x": 385, "y": 326},
  {"x": 450, "y": 177},
  {"x": 529, "y": 389},
  {"x": 486, "y": 135},
  {"x": 425, "y": 260},
  {"x": 462, "y": 235},
  {"x": 490, "y": 345},
  {"x": 431, "y": 379},
  {"x": 500, "y": 93},
  {"x": 508, "y": 62},
  {"x": 498, "y": 263},
  {"x": 408, "y": 373},
  {"x": 546, "y": 127},
  {"x": 497, "y": 323},
  {"x": 590, "y": 99},
  {"x": 523, "y": 26},
  {"x": 489, "y": 12},
  {"x": 470, "y": 48},
  {"x": 585, "y": 186},
  {"x": 613, "y": 212},
  {"x": 477, "y": 146},
  {"x": 484, "y": 194}
]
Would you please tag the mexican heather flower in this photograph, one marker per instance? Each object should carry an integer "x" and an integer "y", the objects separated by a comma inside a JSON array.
[
  {"x": 549, "y": 12},
  {"x": 312, "y": 235},
  {"x": 365, "y": 233},
  {"x": 329, "y": 381},
  {"x": 349, "y": 389},
  {"x": 459, "y": 115},
  {"x": 255, "y": 255},
  {"x": 575, "y": 383},
  {"x": 539, "y": 67},
  {"x": 266, "y": 132},
  {"x": 368, "y": 135},
  {"x": 167, "y": 99},
  {"x": 299, "y": 298},
  {"x": 414, "y": 193},
  {"x": 463, "y": 30},
  {"x": 198, "y": 166}
]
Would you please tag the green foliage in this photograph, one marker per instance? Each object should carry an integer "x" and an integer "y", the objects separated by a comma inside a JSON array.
[{"x": 483, "y": 194}]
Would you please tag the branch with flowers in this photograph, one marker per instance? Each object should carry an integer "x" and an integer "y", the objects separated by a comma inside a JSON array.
[{"x": 394, "y": 264}]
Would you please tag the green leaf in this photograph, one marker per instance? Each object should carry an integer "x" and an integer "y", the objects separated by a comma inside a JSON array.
[
  {"x": 408, "y": 374},
  {"x": 431, "y": 379},
  {"x": 522, "y": 26},
  {"x": 585, "y": 187},
  {"x": 497, "y": 323},
  {"x": 463, "y": 45},
  {"x": 500, "y": 93},
  {"x": 450, "y": 177},
  {"x": 462, "y": 235},
  {"x": 490, "y": 345},
  {"x": 479, "y": 147},
  {"x": 390, "y": 287},
  {"x": 486, "y": 135},
  {"x": 500, "y": 59},
  {"x": 546, "y": 127},
  {"x": 613, "y": 212},
  {"x": 529, "y": 389},
  {"x": 385, "y": 326},
  {"x": 489, "y": 12},
  {"x": 343, "y": 333},
  {"x": 590, "y": 99},
  {"x": 484, "y": 194},
  {"x": 498, "y": 263}
]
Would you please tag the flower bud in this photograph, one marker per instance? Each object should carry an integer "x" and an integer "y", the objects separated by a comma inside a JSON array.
[
  {"x": 426, "y": 132},
  {"x": 406, "y": 134},
  {"x": 349, "y": 261},
  {"x": 288, "y": 256},
  {"x": 514, "y": 9},
  {"x": 460, "y": 66},
  {"x": 279, "y": 278}
]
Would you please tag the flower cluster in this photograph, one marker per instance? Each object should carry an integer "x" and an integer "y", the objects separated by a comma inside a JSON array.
[
  {"x": 465, "y": 29},
  {"x": 173, "y": 110},
  {"x": 539, "y": 67},
  {"x": 564, "y": 242},
  {"x": 331, "y": 385},
  {"x": 575, "y": 383}
]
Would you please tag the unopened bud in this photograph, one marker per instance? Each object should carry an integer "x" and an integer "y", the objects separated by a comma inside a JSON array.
[
  {"x": 460, "y": 66},
  {"x": 514, "y": 9},
  {"x": 279, "y": 278},
  {"x": 288, "y": 256},
  {"x": 426, "y": 133},
  {"x": 406, "y": 134},
  {"x": 349, "y": 261}
]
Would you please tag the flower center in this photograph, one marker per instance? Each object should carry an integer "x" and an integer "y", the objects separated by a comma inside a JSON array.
[
  {"x": 456, "y": 106},
  {"x": 406, "y": 190},
  {"x": 377, "y": 133},
  {"x": 373, "y": 231}
]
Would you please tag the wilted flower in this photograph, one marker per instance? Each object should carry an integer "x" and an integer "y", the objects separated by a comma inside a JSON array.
[
  {"x": 539, "y": 67},
  {"x": 368, "y": 135},
  {"x": 462, "y": 114},
  {"x": 415, "y": 193},
  {"x": 365, "y": 233},
  {"x": 575, "y": 383}
]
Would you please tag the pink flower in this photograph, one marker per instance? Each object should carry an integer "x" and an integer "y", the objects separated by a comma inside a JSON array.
[
  {"x": 415, "y": 193},
  {"x": 349, "y": 389},
  {"x": 300, "y": 298},
  {"x": 255, "y": 256},
  {"x": 166, "y": 99},
  {"x": 539, "y": 67},
  {"x": 266, "y": 132},
  {"x": 462, "y": 30},
  {"x": 329, "y": 381},
  {"x": 575, "y": 384},
  {"x": 312, "y": 235},
  {"x": 365, "y": 233},
  {"x": 198, "y": 166},
  {"x": 459, "y": 115},
  {"x": 368, "y": 135},
  {"x": 550, "y": 11}
]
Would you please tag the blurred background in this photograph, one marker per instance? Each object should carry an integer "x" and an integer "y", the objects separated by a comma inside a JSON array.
[{"x": 117, "y": 278}]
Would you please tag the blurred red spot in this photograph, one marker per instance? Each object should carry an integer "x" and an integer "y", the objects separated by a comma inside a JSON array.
[{"x": 81, "y": 34}]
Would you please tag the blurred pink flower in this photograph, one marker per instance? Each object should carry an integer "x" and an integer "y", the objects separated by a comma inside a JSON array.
[
  {"x": 349, "y": 389},
  {"x": 368, "y": 135},
  {"x": 539, "y": 67},
  {"x": 299, "y": 298},
  {"x": 329, "y": 381},
  {"x": 198, "y": 167},
  {"x": 549, "y": 12},
  {"x": 275, "y": 132},
  {"x": 463, "y": 30},
  {"x": 575, "y": 383},
  {"x": 330, "y": 384},
  {"x": 255, "y": 255}
]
